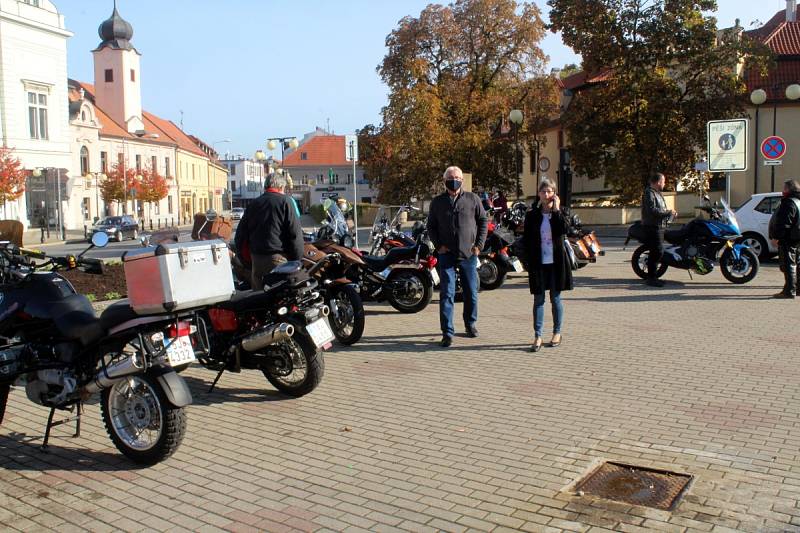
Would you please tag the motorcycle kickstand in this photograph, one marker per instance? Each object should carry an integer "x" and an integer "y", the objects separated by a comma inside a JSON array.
[
  {"x": 219, "y": 375},
  {"x": 51, "y": 424}
]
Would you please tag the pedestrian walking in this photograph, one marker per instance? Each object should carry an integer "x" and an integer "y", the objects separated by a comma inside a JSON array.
[
  {"x": 270, "y": 230},
  {"x": 784, "y": 228},
  {"x": 655, "y": 217},
  {"x": 549, "y": 269},
  {"x": 457, "y": 226}
]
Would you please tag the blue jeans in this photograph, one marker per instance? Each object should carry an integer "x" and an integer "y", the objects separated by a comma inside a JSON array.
[
  {"x": 468, "y": 268},
  {"x": 548, "y": 283}
]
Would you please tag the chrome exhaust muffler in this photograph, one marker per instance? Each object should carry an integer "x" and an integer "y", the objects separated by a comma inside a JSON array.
[
  {"x": 267, "y": 335},
  {"x": 114, "y": 372}
]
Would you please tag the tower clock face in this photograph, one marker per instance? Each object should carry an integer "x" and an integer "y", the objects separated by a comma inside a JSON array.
[{"x": 544, "y": 164}]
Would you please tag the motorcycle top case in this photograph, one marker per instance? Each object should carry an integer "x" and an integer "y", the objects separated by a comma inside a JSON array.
[{"x": 176, "y": 276}]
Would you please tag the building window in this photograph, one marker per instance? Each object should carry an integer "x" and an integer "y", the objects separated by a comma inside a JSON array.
[
  {"x": 168, "y": 172},
  {"x": 34, "y": 3},
  {"x": 154, "y": 164},
  {"x": 84, "y": 161},
  {"x": 104, "y": 162},
  {"x": 83, "y": 116},
  {"x": 233, "y": 186},
  {"x": 138, "y": 163},
  {"x": 133, "y": 75},
  {"x": 158, "y": 208},
  {"x": 169, "y": 205},
  {"x": 121, "y": 160},
  {"x": 109, "y": 75},
  {"x": 193, "y": 176},
  {"x": 37, "y": 115},
  {"x": 304, "y": 156}
]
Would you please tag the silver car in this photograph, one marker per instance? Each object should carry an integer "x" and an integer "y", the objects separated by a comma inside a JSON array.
[{"x": 237, "y": 213}]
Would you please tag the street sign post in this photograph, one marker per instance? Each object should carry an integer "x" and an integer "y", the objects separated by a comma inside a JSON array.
[
  {"x": 351, "y": 154},
  {"x": 727, "y": 148}
]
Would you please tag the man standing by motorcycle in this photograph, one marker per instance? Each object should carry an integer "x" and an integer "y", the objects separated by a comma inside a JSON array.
[
  {"x": 270, "y": 229},
  {"x": 655, "y": 216},
  {"x": 457, "y": 226},
  {"x": 784, "y": 227}
]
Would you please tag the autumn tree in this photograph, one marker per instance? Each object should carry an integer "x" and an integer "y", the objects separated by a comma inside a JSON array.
[
  {"x": 119, "y": 182},
  {"x": 12, "y": 177},
  {"x": 453, "y": 74},
  {"x": 671, "y": 72},
  {"x": 152, "y": 188}
]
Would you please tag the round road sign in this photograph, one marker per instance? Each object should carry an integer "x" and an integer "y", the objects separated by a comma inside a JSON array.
[{"x": 773, "y": 148}]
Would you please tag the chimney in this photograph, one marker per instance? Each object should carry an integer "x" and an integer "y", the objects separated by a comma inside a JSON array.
[{"x": 791, "y": 10}]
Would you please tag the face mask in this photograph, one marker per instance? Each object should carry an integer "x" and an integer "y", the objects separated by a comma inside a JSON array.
[{"x": 452, "y": 185}]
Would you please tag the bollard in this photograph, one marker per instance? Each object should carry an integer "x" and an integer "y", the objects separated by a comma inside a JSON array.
[
  {"x": 42, "y": 237},
  {"x": 151, "y": 224},
  {"x": 85, "y": 231},
  {"x": 159, "y": 223},
  {"x": 172, "y": 219}
]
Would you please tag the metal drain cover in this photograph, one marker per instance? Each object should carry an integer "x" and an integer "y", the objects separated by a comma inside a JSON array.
[{"x": 636, "y": 485}]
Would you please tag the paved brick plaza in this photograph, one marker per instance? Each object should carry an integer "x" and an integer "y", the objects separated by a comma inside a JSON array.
[{"x": 700, "y": 377}]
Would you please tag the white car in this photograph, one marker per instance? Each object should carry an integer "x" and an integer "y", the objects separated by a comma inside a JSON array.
[
  {"x": 237, "y": 213},
  {"x": 753, "y": 217}
]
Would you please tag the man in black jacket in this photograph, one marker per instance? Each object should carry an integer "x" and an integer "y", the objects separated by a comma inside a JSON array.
[
  {"x": 784, "y": 227},
  {"x": 655, "y": 216},
  {"x": 270, "y": 229},
  {"x": 457, "y": 227}
]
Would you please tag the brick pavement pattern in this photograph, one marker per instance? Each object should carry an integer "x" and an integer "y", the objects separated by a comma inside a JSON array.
[{"x": 700, "y": 377}]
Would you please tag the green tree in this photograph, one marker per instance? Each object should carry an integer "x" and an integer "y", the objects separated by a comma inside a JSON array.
[
  {"x": 671, "y": 72},
  {"x": 453, "y": 74}
]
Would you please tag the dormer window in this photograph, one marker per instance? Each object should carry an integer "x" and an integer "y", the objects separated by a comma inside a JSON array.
[{"x": 304, "y": 156}]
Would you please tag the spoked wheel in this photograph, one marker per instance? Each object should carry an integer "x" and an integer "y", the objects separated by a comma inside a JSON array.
[
  {"x": 140, "y": 421},
  {"x": 739, "y": 270},
  {"x": 295, "y": 365},
  {"x": 347, "y": 313},
  {"x": 639, "y": 263},
  {"x": 491, "y": 274},
  {"x": 409, "y": 291}
]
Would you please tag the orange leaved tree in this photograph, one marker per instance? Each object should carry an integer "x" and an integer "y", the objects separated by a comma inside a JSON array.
[
  {"x": 152, "y": 188},
  {"x": 12, "y": 177},
  {"x": 118, "y": 179}
]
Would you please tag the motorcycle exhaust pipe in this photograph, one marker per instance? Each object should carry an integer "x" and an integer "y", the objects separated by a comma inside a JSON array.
[
  {"x": 266, "y": 336},
  {"x": 114, "y": 372}
]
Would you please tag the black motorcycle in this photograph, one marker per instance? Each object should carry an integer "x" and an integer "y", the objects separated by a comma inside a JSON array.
[
  {"x": 280, "y": 330},
  {"x": 55, "y": 347}
]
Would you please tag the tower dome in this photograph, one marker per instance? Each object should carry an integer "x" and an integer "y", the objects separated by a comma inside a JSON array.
[{"x": 116, "y": 32}]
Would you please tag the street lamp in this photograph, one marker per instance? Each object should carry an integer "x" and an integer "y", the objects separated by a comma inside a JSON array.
[
  {"x": 516, "y": 118},
  {"x": 757, "y": 97},
  {"x": 272, "y": 144},
  {"x": 215, "y": 143}
]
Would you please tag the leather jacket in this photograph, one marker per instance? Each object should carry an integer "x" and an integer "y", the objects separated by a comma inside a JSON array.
[{"x": 654, "y": 208}]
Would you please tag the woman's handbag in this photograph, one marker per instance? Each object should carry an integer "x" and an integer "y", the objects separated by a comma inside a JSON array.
[{"x": 572, "y": 259}]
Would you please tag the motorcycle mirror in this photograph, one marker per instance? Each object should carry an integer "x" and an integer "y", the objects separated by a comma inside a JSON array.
[{"x": 99, "y": 239}]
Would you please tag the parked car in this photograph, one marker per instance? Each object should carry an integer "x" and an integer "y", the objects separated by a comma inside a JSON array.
[
  {"x": 753, "y": 217},
  {"x": 117, "y": 228},
  {"x": 237, "y": 213}
]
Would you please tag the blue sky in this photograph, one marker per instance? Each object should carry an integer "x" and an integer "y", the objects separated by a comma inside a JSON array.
[{"x": 247, "y": 70}]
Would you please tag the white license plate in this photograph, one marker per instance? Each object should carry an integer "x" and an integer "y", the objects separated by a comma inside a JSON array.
[
  {"x": 594, "y": 248},
  {"x": 320, "y": 332},
  {"x": 180, "y": 351},
  {"x": 435, "y": 276},
  {"x": 517, "y": 264}
]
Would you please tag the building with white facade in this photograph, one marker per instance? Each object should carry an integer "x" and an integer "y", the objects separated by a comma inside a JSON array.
[
  {"x": 33, "y": 104},
  {"x": 245, "y": 179}
]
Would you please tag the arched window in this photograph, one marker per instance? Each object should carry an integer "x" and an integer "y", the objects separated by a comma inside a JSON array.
[
  {"x": 83, "y": 116},
  {"x": 84, "y": 161}
]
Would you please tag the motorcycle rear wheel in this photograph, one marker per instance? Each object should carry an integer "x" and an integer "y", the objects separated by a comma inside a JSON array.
[
  {"x": 740, "y": 270},
  {"x": 639, "y": 263},
  {"x": 347, "y": 313},
  {"x": 491, "y": 274},
  {"x": 299, "y": 369},
  {"x": 410, "y": 291},
  {"x": 141, "y": 422}
]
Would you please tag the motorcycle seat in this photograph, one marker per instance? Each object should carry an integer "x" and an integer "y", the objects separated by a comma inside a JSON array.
[
  {"x": 244, "y": 300},
  {"x": 375, "y": 262},
  {"x": 119, "y": 313},
  {"x": 75, "y": 319}
]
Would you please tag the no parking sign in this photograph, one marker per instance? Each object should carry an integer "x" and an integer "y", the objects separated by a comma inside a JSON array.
[{"x": 773, "y": 148}]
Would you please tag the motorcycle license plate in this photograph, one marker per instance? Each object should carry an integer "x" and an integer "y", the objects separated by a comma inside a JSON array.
[
  {"x": 435, "y": 276},
  {"x": 517, "y": 264},
  {"x": 180, "y": 351},
  {"x": 320, "y": 332}
]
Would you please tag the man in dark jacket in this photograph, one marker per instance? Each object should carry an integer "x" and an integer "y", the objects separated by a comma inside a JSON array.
[
  {"x": 270, "y": 229},
  {"x": 784, "y": 227},
  {"x": 655, "y": 216},
  {"x": 457, "y": 227}
]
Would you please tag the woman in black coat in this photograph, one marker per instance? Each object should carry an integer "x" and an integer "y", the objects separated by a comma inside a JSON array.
[{"x": 548, "y": 264}]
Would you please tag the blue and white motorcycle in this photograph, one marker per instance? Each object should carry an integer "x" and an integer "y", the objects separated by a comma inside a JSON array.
[{"x": 700, "y": 245}]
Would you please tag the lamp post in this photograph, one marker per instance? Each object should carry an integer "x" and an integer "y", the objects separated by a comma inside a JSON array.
[
  {"x": 516, "y": 118},
  {"x": 757, "y": 97},
  {"x": 272, "y": 144}
]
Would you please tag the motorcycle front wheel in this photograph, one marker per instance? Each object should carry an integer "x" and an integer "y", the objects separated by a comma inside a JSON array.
[
  {"x": 739, "y": 270},
  {"x": 141, "y": 422},
  {"x": 639, "y": 263},
  {"x": 409, "y": 291},
  {"x": 347, "y": 313},
  {"x": 491, "y": 274},
  {"x": 296, "y": 365}
]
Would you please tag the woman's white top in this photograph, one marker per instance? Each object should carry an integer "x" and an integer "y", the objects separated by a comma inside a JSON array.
[{"x": 547, "y": 240}]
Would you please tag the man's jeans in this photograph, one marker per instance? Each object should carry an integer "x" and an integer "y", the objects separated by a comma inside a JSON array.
[{"x": 468, "y": 268}]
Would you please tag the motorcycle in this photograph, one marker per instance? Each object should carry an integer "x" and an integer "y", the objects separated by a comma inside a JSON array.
[
  {"x": 55, "y": 347},
  {"x": 404, "y": 276},
  {"x": 699, "y": 246},
  {"x": 280, "y": 330}
]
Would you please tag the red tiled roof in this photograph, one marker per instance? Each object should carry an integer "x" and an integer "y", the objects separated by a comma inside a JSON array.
[
  {"x": 109, "y": 127},
  {"x": 175, "y": 133},
  {"x": 582, "y": 78},
  {"x": 785, "y": 73},
  {"x": 783, "y": 38},
  {"x": 320, "y": 150}
]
